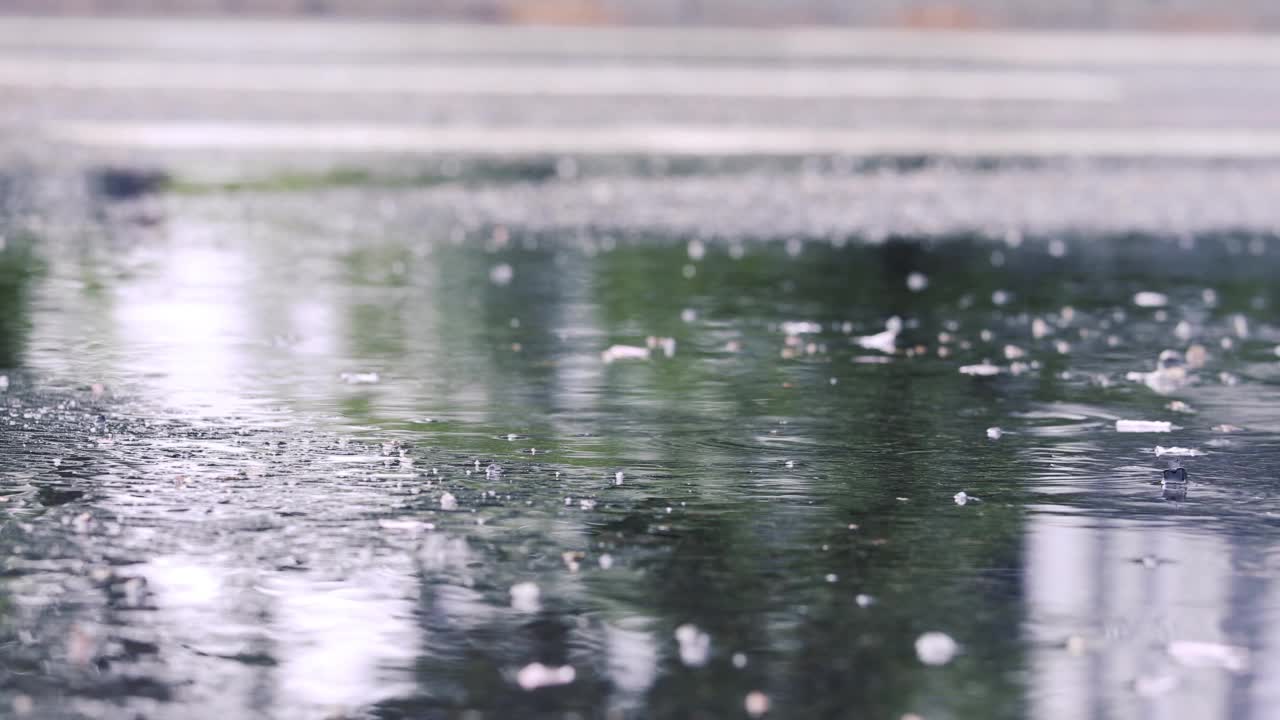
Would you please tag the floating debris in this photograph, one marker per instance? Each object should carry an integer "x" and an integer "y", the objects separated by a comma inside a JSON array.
[
  {"x": 936, "y": 648},
  {"x": 1178, "y": 451},
  {"x": 917, "y": 281},
  {"x": 863, "y": 600},
  {"x": 1179, "y": 406},
  {"x": 994, "y": 433},
  {"x": 537, "y": 675},
  {"x": 1148, "y": 299},
  {"x": 359, "y": 378},
  {"x": 800, "y": 327},
  {"x": 962, "y": 498},
  {"x": 1143, "y": 426},
  {"x": 4, "y": 383},
  {"x": 493, "y": 471},
  {"x": 618, "y": 477},
  {"x": 525, "y": 597},
  {"x": 1209, "y": 654},
  {"x": 695, "y": 645},
  {"x": 448, "y": 501},
  {"x": 624, "y": 352},
  {"x": 982, "y": 369},
  {"x": 885, "y": 341},
  {"x": 1226, "y": 428}
]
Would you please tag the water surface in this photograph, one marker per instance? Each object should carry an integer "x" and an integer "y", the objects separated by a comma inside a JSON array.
[{"x": 248, "y": 432}]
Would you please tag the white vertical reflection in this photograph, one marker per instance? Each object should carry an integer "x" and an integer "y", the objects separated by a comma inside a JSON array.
[
  {"x": 1105, "y": 599},
  {"x": 345, "y": 644}
]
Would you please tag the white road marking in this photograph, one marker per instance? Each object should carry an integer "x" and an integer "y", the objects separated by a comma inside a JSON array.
[
  {"x": 383, "y": 39},
  {"x": 673, "y": 140},
  {"x": 561, "y": 80}
]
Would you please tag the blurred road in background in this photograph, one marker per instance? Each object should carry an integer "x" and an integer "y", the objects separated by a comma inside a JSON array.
[
  {"x": 223, "y": 98},
  {"x": 313, "y": 85}
]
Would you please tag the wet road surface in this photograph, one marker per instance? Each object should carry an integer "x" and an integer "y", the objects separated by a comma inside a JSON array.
[{"x": 634, "y": 435}]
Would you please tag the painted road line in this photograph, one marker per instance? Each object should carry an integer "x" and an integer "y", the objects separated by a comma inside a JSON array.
[
  {"x": 688, "y": 140},
  {"x": 559, "y": 80},
  {"x": 389, "y": 39}
]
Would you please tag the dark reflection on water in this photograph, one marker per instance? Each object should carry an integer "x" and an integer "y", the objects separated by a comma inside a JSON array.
[{"x": 212, "y": 511}]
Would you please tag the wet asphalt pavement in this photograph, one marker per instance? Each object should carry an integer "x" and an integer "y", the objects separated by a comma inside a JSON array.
[{"x": 396, "y": 372}]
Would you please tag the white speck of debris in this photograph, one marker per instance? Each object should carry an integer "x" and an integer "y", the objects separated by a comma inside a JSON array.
[
  {"x": 688, "y": 315},
  {"x": 756, "y": 703},
  {"x": 501, "y": 274},
  {"x": 790, "y": 464},
  {"x": 4, "y": 382},
  {"x": 587, "y": 504},
  {"x": 1039, "y": 328},
  {"x": 1057, "y": 248},
  {"x": 886, "y": 341},
  {"x": 618, "y": 477},
  {"x": 695, "y": 645},
  {"x": 831, "y": 577},
  {"x": 994, "y": 433},
  {"x": 697, "y": 250},
  {"x": 448, "y": 501},
  {"x": 982, "y": 369},
  {"x": 537, "y": 675},
  {"x": 1241, "y": 325},
  {"x": 739, "y": 660},
  {"x": 525, "y": 596},
  {"x": 606, "y": 561},
  {"x": 935, "y": 648},
  {"x": 624, "y": 352},
  {"x": 1150, "y": 299},
  {"x": 917, "y": 281},
  {"x": 961, "y": 498},
  {"x": 1209, "y": 654},
  {"x": 1178, "y": 451},
  {"x": 1000, "y": 297},
  {"x": 1143, "y": 426},
  {"x": 864, "y": 600},
  {"x": 359, "y": 378},
  {"x": 1013, "y": 352},
  {"x": 800, "y": 327}
]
